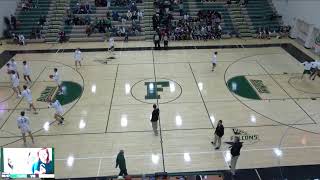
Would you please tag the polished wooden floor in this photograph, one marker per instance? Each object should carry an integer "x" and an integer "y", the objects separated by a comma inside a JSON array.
[{"x": 113, "y": 114}]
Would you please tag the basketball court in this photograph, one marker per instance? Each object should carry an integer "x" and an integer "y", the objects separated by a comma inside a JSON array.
[{"x": 256, "y": 89}]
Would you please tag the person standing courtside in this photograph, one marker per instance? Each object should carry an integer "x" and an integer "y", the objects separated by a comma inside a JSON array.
[
  {"x": 154, "y": 119},
  {"x": 218, "y": 135},
  {"x": 121, "y": 162},
  {"x": 214, "y": 60},
  {"x": 235, "y": 153},
  {"x": 156, "y": 40}
]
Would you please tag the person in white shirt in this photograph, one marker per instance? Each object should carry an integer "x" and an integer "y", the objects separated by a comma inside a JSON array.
[
  {"x": 24, "y": 126},
  {"x": 59, "y": 111},
  {"x": 315, "y": 68},
  {"x": 214, "y": 60},
  {"x": 78, "y": 57},
  {"x": 26, "y": 93},
  {"x": 307, "y": 68},
  {"x": 26, "y": 72},
  {"x": 21, "y": 40},
  {"x": 15, "y": 83},
  {"x": 57, "y": 79},
  {"x": 13, "y": 66},
  {"x": 111, "y": 45}
]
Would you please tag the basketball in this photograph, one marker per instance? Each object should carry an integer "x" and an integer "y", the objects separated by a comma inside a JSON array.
[{"x": 50, "y": 76}]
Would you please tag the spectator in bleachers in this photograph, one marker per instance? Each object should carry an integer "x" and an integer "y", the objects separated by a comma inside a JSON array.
[
  {"x": 87, "y": 20},
  {"x": 115, "y": 16},
  {"x": 87, "y": 7},
  {"x": 25, "y": 5},
  {"x": 62, "y": 36},
  {"x": 129, "y": 15},
  {"x": 155, "y": 21},
  {"x": 89, "y": 30},
  {"x": 42, "y": 20},
  {"x": 140, "y": 15},
  {"x": 108, "y": 3},
  {"x": 13, "y": 20}
]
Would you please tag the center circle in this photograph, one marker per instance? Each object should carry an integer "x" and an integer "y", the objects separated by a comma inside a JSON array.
[{"x": 151, "y": 91}]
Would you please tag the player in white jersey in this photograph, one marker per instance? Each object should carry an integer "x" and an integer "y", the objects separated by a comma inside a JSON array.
[
  {"x": 26, "y": 93},
  {"x": 57, "y": 79},
  {"x": 78, "y": 57},
  {"x": 14, "y": 67},
  {"x": 214, "y": 60},
  {"x": 26, "y": 72},
  {"x": 315, "y": 69},
  {"x": 59, "y": 111},
  {"x": 307, "y": 68},
  {"x": 15, "y": 83},
  {"x": 24, "y": 126},
  {"x": 111, "y": 45}
]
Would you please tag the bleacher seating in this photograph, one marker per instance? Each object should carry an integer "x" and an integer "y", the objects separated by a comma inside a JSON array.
[
  {"x": 244, "y": 20},
  {"x": 76, "y": 33},
  {"x": 29, "y": 19},
  {"x": 260, "y": 12}
]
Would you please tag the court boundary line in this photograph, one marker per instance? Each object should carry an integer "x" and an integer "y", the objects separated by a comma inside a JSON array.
[
  {"x": 111, "y": 101},
  {"x": 203, "y": 101},
  {"x": 158, "y": 105},
  {"x": 147, "y": 131}
]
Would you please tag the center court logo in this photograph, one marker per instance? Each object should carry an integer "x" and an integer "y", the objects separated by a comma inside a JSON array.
[
  {"x": 163, "y": 90},
  {"x": 71, "y": 92},
  {"x": 153, "y": 88},
  {"x": 245, "y": 137}
]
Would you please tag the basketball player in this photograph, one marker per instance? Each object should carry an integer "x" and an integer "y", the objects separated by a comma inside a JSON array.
[
  {"x": 24, "y": 125},
  {"x": 111, "y": 45},
  {"x": 56, "y": 78},
  {"x": 14, "y": 67},
  {"x": 307, "y": 68},
  {"x": 59, "y": 111},
  {"x": 214, "y": 60},
  {"x": 78, "y": 57},
  {"x": 26, "y": 72},
  {"x": 15, "y": 83},
  {"x": 315, "y": 69},
  {"x": 26, "y": 93}
]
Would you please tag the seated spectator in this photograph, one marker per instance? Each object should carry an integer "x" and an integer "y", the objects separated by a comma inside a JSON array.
[
  {"x": 62, "y": 36},
  {"x": 89, "y": 30},
  {"x": 87, "y": 7},
  {"x": 108, "y": 23},
  {"x": 129, "y": 15},
  {"x": 33, "y": 33},
  {"x": 24, "y": 6},
  {"x": 115, "y": 16},
  {"x": 140, "y": 15},
  {"x": 108, "y": 3},
  {"x": 87, "y": 20},
  {"x": 42, "y": 20}
]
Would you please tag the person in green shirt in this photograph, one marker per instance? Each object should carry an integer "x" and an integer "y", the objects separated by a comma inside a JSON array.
[
  {"x": 44, "y": 165},
  {"x": 121, "y": 162}
]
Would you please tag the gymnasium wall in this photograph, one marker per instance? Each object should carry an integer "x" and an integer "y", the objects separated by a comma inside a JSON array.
[
  {"x": 7, "y": 7},
  {"x": 307, "y": 10}
]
